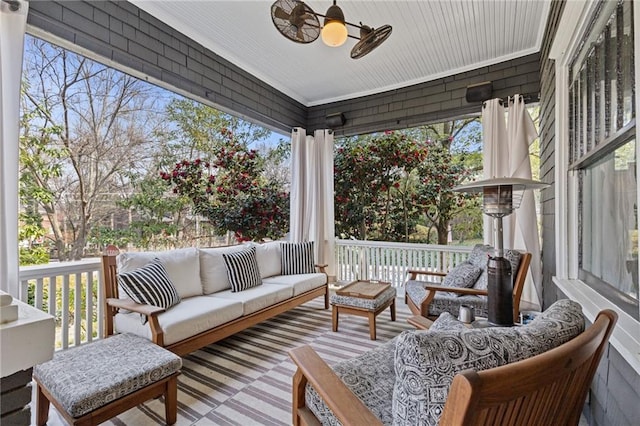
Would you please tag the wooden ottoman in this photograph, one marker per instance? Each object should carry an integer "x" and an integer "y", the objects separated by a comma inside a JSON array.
[
  {"x": 95, "y": 382},
  {"x": 365, "y": 299}
]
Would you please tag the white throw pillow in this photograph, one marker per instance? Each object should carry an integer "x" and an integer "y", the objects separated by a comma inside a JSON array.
[
  {"x": 269, "y": 256},
  {"x": 182, "y": 265},
  {"x": 213, "y": 271}
]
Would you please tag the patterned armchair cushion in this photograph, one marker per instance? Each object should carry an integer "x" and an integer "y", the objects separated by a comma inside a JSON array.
[
  {"x": 446, "y": 321},
  {"x": 450, "y": 302},
  {"x": 425, "y": 363},
  {"x": 463, "y": 275},
  {"x": 370, "y": 376}
]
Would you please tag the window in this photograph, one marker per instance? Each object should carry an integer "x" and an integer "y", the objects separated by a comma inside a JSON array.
[{"x": 602, "y": 149}]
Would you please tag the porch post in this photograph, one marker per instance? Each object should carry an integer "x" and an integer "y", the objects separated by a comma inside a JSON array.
[{"x": 13, "y": 21}]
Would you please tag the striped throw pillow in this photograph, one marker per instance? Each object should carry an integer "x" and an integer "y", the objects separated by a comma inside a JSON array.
[
  {"x": 298, "y": 258},
  {"x": 242, "y": 269},
  {"x": 149, "y": 285}
]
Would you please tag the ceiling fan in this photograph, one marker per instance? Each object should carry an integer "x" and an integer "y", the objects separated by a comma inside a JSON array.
[{"x": 296, "y": 21}]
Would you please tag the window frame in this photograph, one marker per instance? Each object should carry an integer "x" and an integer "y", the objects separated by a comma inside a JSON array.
[{"x": 572, "y": 29}]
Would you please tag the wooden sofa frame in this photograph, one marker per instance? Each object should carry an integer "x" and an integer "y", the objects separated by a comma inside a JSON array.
[
  {"x": 432, "y": 289},
  {"x": 113, "y": 303}
]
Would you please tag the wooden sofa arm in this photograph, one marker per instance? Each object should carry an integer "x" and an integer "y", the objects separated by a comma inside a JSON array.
[
  {"x": 344, "y": 404},
  {"x": 321, "y": 268},
  {"x": 151, "y": 312},
  {"x": 413, "y": 273}
]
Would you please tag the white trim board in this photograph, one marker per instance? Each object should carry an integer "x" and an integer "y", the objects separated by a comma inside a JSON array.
[{"x": 626, "y": 334}]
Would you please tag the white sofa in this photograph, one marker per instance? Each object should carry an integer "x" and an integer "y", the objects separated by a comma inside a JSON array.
[{"x": 208, "y": 310}]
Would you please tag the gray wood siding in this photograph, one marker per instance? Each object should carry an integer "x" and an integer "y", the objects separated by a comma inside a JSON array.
[{"x": 429, "y": 102}]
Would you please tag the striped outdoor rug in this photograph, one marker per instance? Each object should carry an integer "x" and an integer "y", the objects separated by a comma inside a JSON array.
[{"x": 246, "y": 379}]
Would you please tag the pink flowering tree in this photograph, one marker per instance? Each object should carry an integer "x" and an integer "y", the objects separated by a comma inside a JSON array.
[{"x": 232, "y": 192}]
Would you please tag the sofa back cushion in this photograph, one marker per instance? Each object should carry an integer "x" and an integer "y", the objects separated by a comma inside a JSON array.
[
  {"x": 425, "y": 362},
  {"x": 182, "y": 265},
  {"x": 269, "y": 256},
  {"x": 213, "y": 270}
]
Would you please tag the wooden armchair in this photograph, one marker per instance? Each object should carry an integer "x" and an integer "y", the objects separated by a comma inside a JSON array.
[
  {"x": 422, "y": 308},
  {"x": 549, "y": 388}
]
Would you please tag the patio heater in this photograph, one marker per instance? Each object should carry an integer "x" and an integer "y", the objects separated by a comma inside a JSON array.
[{"x": 500, "y": 197}]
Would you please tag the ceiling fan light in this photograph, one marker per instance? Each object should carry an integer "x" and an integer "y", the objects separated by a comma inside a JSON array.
[{"x": 334, "y": 32}]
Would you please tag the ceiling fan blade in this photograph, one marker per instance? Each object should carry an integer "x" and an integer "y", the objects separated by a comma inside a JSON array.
[{"x": 280, "y": 13}]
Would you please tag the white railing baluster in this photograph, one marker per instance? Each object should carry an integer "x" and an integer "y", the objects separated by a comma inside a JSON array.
[
  {"x": 51, "y": 303},
  {"x": 77, "y": 311},
  {"x": 65, "y": 312},
  {"x": 38, "y": 293},
  {"x": 100, "y": 307},
  {"x": 89, "y": 307}
]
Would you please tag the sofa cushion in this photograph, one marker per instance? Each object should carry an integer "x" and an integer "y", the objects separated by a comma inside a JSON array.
[
  {"x": 299, "y": 283},
  {"x": 370, "y": 376},
  {"x": 425, "y": 363},
  {"x": 256, "y": 298},
  {"x": 242, "y": 269},
  {"x": 188, "y": 318},
  {"x": 213, "y": 271},
  {"x": 298, "y": 258},
  {"x": 182, "y": 265},
  {"x": 149, "y": 285},
  {"x": 463, "y": 275},
  {"x": 269, "y": 256}
]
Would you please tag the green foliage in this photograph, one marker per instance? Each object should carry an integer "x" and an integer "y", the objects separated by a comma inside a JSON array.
[
  {"x": 397, "y": 186},
  {"x": 232, "y": 192},
  {"x": 371, "y": 173}
]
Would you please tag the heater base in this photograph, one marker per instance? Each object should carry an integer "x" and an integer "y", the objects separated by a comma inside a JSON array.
[{"x": 500, "y": 289}]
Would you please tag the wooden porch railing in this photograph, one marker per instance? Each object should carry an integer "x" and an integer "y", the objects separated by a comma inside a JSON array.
[{"x": 71, "y": 293}]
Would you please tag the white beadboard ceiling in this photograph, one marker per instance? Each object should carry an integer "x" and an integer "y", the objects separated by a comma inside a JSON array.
[{"x": 430, "y": 40}]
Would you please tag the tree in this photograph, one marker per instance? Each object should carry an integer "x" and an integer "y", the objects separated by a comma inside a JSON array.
[
  {"x": 232, "y": 191},
  {"x": 369, "y": 175},
  {"x": 87, "y": 125}
]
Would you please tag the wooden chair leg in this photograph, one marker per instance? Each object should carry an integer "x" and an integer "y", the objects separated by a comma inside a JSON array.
[
  {"x": 393, "y": 310},
  {"x": 42, "y": 407},
  {"x": 334, "y": 318},
  {"x": 171, "y": 400},
  {"x": 372, "y": 325},
  {"x": 326, "y": 299}
]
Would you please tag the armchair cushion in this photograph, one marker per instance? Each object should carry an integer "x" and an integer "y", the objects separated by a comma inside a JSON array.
[
  {"x": 370, "y": 377},
  {"x": 425, "y": 363},
  {"x": 446, "y": 321},
  {"x": 463, "y": 275}
]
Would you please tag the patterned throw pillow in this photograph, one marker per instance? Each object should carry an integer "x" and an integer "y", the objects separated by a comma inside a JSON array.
[
  {"x": 149, "y": 285},
  {"x": 446, "y": 321},
  {"x": 297, "y": 258},
  {"x": 242, "y": 269},
  {"x": 463, "y": 275}
]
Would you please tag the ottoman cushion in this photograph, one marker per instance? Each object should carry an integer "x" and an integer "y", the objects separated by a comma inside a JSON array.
[
  {"x": 368, "y": 304},
  {"x": 88, "y": 377}
]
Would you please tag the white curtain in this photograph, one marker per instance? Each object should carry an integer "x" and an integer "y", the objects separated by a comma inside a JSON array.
[
  {"x": 312, "y": 206},
  {"x": 495, "y": 154},
  {"x": 12, "y": 29},
  {"x": 523, "y": 226}
]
